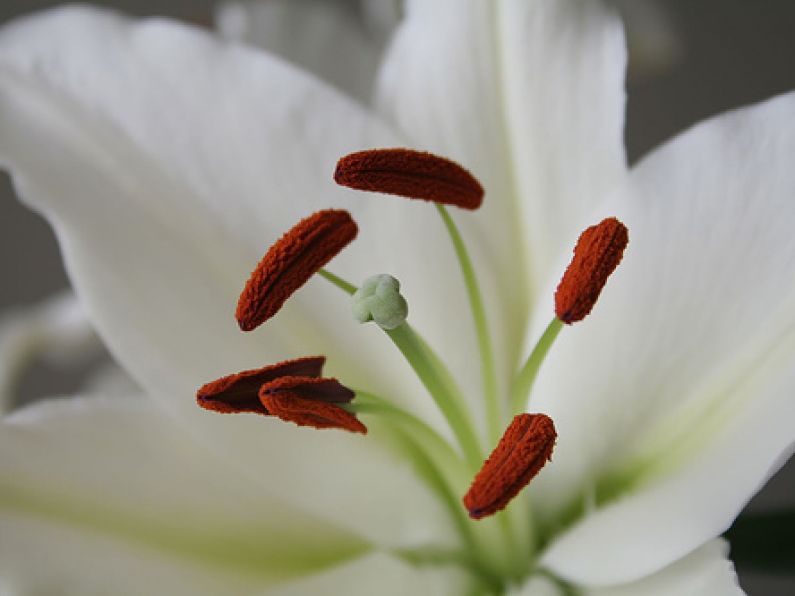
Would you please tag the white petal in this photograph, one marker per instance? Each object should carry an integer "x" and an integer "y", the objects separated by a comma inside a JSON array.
[
  {"x": 325, "y": 37},
  {"x": 167, "y": 162},
  {"x": 103, "y": 496},
  {"x": 529, "y": 96},
  {"x": 378, "y": 574},
  {"x": 56, "y": 330},
  {"x": 681, "y": 381},
  {"x": 705, "y": 572}
]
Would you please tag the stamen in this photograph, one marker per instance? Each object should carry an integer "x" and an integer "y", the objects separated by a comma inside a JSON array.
[
  {"x": 412, "y": 174},
  {"x": 239, "y": 392},
  {"x": 291, "y": 407},
  {"x": 290, "y": 262},
  {"x": 598, "y": 252},
  {"x": 316, "y": 389},
  {"x": 522, "y": 451}
]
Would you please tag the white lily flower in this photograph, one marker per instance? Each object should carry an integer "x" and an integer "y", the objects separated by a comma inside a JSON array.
[{"x": 167, "y": 161}]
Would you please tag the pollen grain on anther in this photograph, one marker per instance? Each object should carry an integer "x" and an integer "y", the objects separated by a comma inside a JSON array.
[
  {"x": 598, "y": 252},
  {"x": 290, "y": 262},
  {"x": 523, "y": 450},
  {"x": 412, "y": 174}
]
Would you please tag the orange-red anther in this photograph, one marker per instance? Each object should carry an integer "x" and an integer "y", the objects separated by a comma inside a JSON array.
[
  {"x": 317, "y": 389},
  {"x": 598, "y": 252},
  {"x": 240, "y": 392},
  {"x": 521, "y": 453},
  {"x": 412, "y": 174},
  {"x": 290, "y": 262},
  {"x": 292, "y": 407}
]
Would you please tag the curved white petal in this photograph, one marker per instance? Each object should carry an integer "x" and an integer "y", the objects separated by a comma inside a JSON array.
[
  {"x": 325, "y": 37},
  {"x": 103, "y": 496},
  {"x": 529, "y": 96},
  {"x": 677, "y": 391},
  {"x": 168, "y": 162},
  {"x": 705, "y": 572},
  {"x": 56, "y": 330},
  {"x": 378, "y": 574}
]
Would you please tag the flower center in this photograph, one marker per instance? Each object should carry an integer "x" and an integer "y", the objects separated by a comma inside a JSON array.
[{"x": 295, "y": 390}]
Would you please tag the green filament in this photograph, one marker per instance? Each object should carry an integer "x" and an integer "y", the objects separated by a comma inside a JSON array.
[
  {"x": 523, "y": 384},
  {"x": 488, "y": 369}
]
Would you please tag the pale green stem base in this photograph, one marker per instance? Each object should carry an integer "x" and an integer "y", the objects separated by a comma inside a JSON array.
[{"x": 442, "y": 387}]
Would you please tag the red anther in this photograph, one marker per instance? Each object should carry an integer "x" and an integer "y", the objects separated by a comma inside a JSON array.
[
  {"x": 316, "y": 389},
  {"x": 239, "y": 392},
  {"x": 290, "y": 262},
  {"x": 412, "y": 174},
  {"x": 598, "y": 252},
  {"x": 291, "y": 407},
  {"x": 522, "y": 451}
]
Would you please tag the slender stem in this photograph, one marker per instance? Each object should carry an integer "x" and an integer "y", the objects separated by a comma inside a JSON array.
[
  {"x": 488, "y": 369},
  {"x": 338, "y": 281},
  {"x": 520, "y": 395},
  {"x": 437, "y": 380},
  {"x": 368, "y": 403},
  {"x": 434, "y": 376},
  {"x": 427, "y": 469}
]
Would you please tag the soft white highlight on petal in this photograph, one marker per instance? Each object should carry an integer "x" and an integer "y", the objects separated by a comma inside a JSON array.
[
  {"x": 562, "y": 73},
  {"x": 379, "y": 574},
  {"x": 678, "y": 389},
  {"x": 705, "y": 572},
  {"x": 103, "y": 496},
  {"x": 325, "y": 37},
  {"x": 55, "y": 330}
]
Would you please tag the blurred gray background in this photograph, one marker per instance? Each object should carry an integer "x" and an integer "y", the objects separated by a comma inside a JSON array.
[{"x": 688, "y": 60}]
